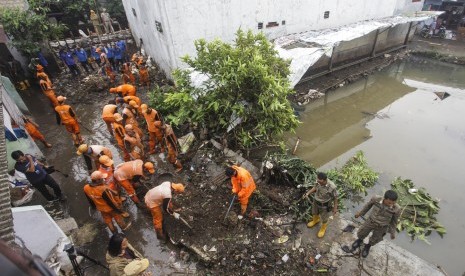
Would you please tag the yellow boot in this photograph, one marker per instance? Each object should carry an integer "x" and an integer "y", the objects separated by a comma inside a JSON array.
[
  {"x": 315, "y": 220},
  {"x": 322, "y": 231}
]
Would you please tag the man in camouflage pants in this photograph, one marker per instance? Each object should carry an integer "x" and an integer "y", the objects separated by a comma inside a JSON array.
[
  {"x": 383, "y": 218},
  {"x": 325, "y": 198}
]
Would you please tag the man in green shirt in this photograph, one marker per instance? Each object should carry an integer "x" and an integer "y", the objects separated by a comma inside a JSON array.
[
  {"x": 325, "y": 200},
  {"x": 383, "y": 218}
]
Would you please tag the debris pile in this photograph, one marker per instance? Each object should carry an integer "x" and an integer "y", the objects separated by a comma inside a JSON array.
[{"x": 419, "y": 210}]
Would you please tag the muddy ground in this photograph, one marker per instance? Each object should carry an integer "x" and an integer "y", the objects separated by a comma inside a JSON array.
[{"x": 265, "y": 240}]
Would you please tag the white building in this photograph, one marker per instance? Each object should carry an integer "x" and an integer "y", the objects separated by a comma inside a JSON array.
[{"x": 169, "y": 28}]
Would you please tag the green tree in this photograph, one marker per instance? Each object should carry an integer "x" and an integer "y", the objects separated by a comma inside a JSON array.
[
  {"x": 246, "y": 80},
  {"x": 28, "y": 28}
]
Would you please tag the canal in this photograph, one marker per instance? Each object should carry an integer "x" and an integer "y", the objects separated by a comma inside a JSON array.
[{"x": 404, "y": 129}]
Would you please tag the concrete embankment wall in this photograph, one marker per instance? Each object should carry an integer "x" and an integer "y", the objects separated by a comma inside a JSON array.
[{"x": 362, "y": 48}]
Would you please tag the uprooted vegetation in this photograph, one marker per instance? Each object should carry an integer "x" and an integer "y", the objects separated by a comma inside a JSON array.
[{"x": 266, "y": 239}]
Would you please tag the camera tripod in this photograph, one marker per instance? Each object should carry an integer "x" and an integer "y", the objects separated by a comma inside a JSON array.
[{"x": 72, "y": 255}]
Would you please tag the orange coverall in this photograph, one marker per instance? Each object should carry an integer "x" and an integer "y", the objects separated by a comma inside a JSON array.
[
  {"x": 243, "y": 185},
  {"x": 48, "y": 92},
  {"x": 154, "y": 201},
  {"x": 119, "y": 137},
  {"x": 103, "y": 200},
  {"x": 107, "y": 116},
  {"x": 126, "y": 90},
  {"x": 34, "y": 132},
  {"x": 154, "y": 129},
  {"x": 125, "y": 172}
]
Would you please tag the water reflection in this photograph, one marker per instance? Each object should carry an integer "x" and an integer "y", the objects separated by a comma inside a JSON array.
[{"x": 415, "y": 135}]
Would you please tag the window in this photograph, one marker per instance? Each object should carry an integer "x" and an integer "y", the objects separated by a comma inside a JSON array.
[
  {"x": 326, "y": 15},
  {"x": 134, "y": 12}
]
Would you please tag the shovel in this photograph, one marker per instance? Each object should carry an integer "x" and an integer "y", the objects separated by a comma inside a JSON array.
[{"x": 229, "y": 209}]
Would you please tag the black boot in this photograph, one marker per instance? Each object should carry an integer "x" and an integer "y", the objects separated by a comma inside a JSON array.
[
  {"x": 366, "y": 250},
  {"x": 356, "y": 244}
]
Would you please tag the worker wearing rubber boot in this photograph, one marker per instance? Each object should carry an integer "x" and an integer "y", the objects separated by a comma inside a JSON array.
[
  {"x": 130, "y": 117},
  {"x": 325, "y": 198},
  {"x": 107, "y": 114},
  {"x": 171, "y": 143},
  {"x": 154, "y": 127},
  {"x": 158, "y": 199},
  {"x": 133, "y": 144},
  {"x": 33, "y": 130},
  {"x": 144, "y": 78},
  {"x": 119, "y": 133},
  {"x": 47, "y": 89},
  {"x": 383, "y": 218},
  {"x": 92, "y": 153},
  {"x": 124, "y": 90},
  {"x": 128, "y": 76},
  {"x": 101, "y": 198},
  {"x": 106, "y": 167},
  {"x": 66, "y": 116},
  {"x": 242, "y": 184},
  {"x": 129, "y": 174}
]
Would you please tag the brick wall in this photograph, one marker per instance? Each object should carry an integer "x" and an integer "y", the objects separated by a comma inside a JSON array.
[{"x": 6, "y": 218}]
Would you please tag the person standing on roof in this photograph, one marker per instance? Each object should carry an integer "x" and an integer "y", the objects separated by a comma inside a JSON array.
[
  {"x": 242, "y": 184},
  {"x": 101, "y": 198},
  {"x": 93, "y": 152},
  {"x": 95, "y": 22},
  {"x": 129, "y": 174},
  {"x": 158, "y": 199},
  {"x": 154, "y": 127},
  {"x": 325, "y": 201},
  {"x": 66, "y": 116},
  {"x": 33, "y": 130},
  {"x": 107, "y": 23},
  {"x": 36, "y": 175}
]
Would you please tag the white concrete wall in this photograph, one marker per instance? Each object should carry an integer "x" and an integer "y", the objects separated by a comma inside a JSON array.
[
  {"x": 408, "y": 6},
  {"x": 185, "y": 21}
]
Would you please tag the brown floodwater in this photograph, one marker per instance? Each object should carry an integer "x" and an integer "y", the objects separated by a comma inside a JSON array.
[{"x": 405, "y": 130}]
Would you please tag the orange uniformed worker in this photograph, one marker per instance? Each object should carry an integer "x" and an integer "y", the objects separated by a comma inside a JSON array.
[
  {"x": 172, "y": 146},
  {"x": 101, "y": 198},
  {"x": 119, "y": 133},
  {"x": 47, "y": 89},
  {"x": 154, "y": 127},
  {"x": 144, "y": 77},
  {"x": 130, "y": 172},
  {"x": 130, "y": 117},
  {"x": 93, "y": 152},
  {"x": 33, "y": 130},
  {"x": 158, "y": 199},
  {"x": 40, "y": 72},
  {"x": 128, "y": 76},
  {"x": 133, "y": 144},
  {"x": 124, "y": 90},
  {"x": 242, "y": 184},
  {"x": 107, "y": 114},
  {"x": 136, "y": 99},
  {"x": 106, "y": 167},
  {"x": 66, "y": 116}
]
